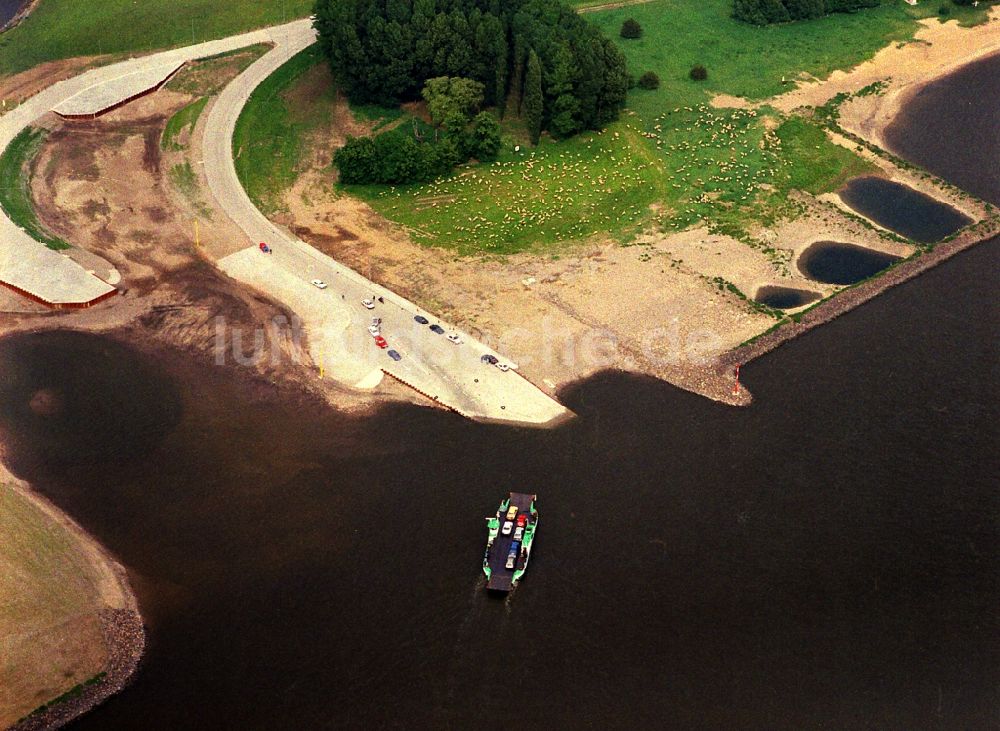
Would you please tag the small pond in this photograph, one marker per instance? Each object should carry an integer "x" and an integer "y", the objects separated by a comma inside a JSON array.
[
  {"x": 902, "y": 209},
  {"x": 833, "y": 262},
  {"x": 785, "y": 298}
]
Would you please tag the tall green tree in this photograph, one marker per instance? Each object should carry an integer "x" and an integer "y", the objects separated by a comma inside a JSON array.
[
  {"x": 385, "y": 50},
  {"x": 452, "y": 96},
  {"x": 533, "y": 101},
  {"x": 484, "y": 140},
  {"x": 563, "y": 120}
]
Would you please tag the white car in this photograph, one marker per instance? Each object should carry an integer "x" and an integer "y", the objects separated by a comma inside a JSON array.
[
  {"x": 503, "y": 367},
  {"x": 453, "y": 337},
  {"x": 519, "y": 533},
  {"x": 374, "y": 330},
  {"x": 507, "y": 525},
  {"x": 511, "y": 560},
  {"x": 369, "y": 305},
  {"x": 318, "y": 283}
]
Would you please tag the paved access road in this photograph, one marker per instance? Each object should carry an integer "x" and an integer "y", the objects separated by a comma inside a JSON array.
[
  {"x": 30, "y": 266},
  {"x": 335, "y": 320}
]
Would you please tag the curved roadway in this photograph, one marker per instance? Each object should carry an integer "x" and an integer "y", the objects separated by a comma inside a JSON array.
[
  {"x": 449, "y": 373},
  {"x": 334, "y": 317},
  {"x": 28, "y": 265}
]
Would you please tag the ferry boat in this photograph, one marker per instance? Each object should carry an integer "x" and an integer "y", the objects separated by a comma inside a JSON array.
[{"x": 508, "y": 543}]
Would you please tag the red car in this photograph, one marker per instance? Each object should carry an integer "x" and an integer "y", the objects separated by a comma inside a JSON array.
[
  {"x": 380, "y": 342},
  {"x": 522, "y": 519}
]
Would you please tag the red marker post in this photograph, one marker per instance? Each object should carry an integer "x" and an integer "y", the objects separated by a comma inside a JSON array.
[{"x": 736, "y": 385}]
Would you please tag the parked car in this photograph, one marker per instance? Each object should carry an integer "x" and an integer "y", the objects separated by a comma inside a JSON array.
[
  {"x": 491, "y": 359},
  {"x": 453, "y": 337},
  {"x": 374, "y": 330},
  {"x": 519, "y": 533},
  {"x": 502, "y": 366},
  {"x": 369, "y": 305},
  {"x": 507, "y": 526},
  {"x": 522, "y": 519},
  {"x": 381, "y": 342},
  {"x": 437, "y": 329},
  {"x": 319, "y": 283},
  {"x": 421, "y": 319},
  {"x": 511, "y": 512},
  {"x": 394, "y": 355},
  {"x": 515, "y": 549}
]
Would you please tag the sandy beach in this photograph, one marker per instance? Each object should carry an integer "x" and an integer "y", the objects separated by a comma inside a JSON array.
[{"x": 936, "y": 50}]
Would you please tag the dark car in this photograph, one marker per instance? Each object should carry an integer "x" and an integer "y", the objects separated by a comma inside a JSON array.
[
  {"x": 394, "y": 355},
  {"x": 491, "y": 359},
  {"x": 421, "y": 319},
  {"x": 438, "y": 329}
]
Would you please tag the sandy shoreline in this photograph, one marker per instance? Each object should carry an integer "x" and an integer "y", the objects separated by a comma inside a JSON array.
[
  {"x": 20, "y": 15},
  {"x": 121, "y": 622}
]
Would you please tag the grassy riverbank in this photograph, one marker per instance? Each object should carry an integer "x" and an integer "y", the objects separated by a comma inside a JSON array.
[
  {"x": 742, "y": 60},
  {"x": 58, "y": 29},
  {"x": 50, "y": 598}
]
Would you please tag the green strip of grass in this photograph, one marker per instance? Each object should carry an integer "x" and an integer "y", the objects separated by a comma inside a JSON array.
[
  {"x": 186, "y": 118},
  {"x": 15, "y": 191},
  {"x": 184, "y": 179},
  {"x": 379, "y": 116},
  {"x": 814, "y": 163},
  {"x": 66, "y": 28},
  {"x": 268, "y": 141}
]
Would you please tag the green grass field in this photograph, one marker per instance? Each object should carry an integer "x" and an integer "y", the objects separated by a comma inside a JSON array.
[
  {"x": 741, "y": 59},
  {"x": 49, "y": 605},
  {"x": 65, "y": 28},
  {"x": 695, "y": 163},
  {"x": 15, "y": 193},
  {"x": 185, "y": 119},
  {"x": 565, "y": 190},
  {"x": 269, "y": 137},
  {"x": 672, "y": 161}
]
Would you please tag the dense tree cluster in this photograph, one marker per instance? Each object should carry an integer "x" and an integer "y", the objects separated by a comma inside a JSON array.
[
  {"x": 399, "y": 157},
  {"x": 763, "y": 12},
  {"x": 385, "y": 50}
]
